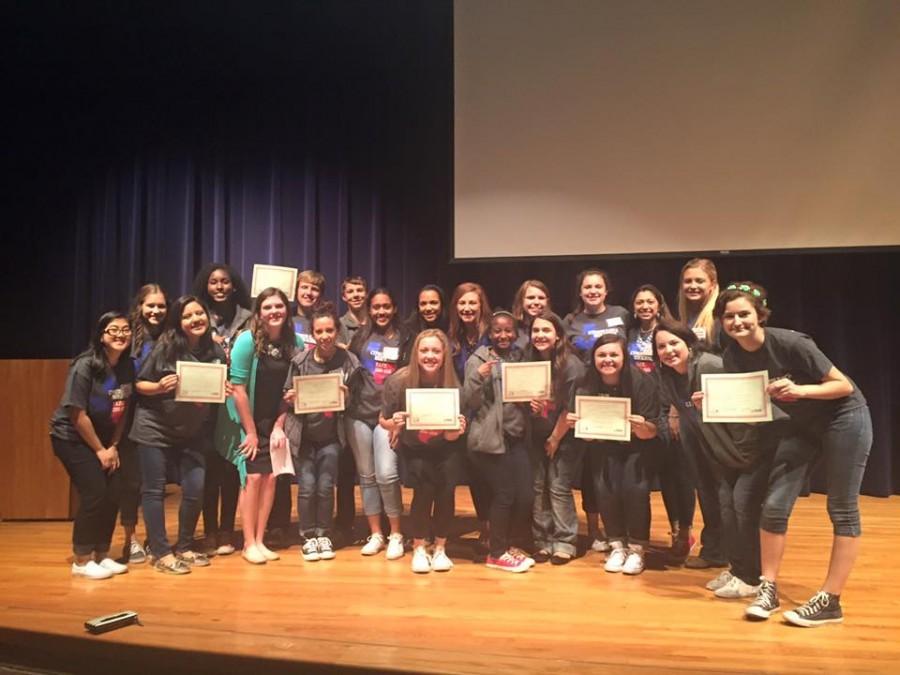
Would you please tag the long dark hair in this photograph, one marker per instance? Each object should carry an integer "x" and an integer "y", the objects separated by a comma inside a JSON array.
[
  {"x": 200, "y": 289},
  {"x": 366, "y": 331},
  {"x": 140, "y": 329},
  {"x": 560, "y": 354},
  {"x": 679, "y": 329},
  {"x": 578, "y": 306},
  {"x": 95, "y": 352},
  {"x": 592, "y": 380},
  {"x": 416, "y": 323},
  {"x": 287, "y": 340},
  {"x": 663, "y": 312},
  {"x": 173, "y": 340}
]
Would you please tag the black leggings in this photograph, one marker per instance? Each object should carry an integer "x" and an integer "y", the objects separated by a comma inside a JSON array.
[
  {"x": 221, "y": 475},
  {"x": 433, "y": 474},
  {"x": 129, "y": 483},
  {"x": 622, "y": 482},
  {"x": 510, "y": 479}
]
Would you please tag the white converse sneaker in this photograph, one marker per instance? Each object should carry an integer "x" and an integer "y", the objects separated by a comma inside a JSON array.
[
  {"x": 737, "y": 589},
  {"x": 421, "y": 561},
  {"x": 373, "y": 544},
  {"x": 113, "y": 566},
  {"x": 394, "y": 546},
  {"x": 310, "y": 549},
  {"x": 600, "y": 545},
  {"x": 616, "y": 559},
  {"x": 634, "y": 563},
  {"x": 90, "y": 570},
  {"x": 326, "y": 549},
  {"x": 439, "y": 561},
  {"x": 722, "y": 580}
]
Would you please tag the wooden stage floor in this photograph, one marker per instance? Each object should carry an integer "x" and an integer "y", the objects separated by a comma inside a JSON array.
[{"x": 368, "y": 612}]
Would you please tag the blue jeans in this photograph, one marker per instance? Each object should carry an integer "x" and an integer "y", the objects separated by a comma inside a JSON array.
[
  {"x": 741, "y": 493},
  {"x": 554, "y": 519},
  {"x": 316, "y": 466},
  {"x": 360, "y": 436},
  {"x": 189, "y": 464},
  {"x": 844, "y": 445},
  {"x": 387, "y": 472},
  {"x": 622, "y": 484}
]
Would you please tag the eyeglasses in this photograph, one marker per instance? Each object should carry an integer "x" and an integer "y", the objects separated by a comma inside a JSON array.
[{"x": 118, "y": 332}]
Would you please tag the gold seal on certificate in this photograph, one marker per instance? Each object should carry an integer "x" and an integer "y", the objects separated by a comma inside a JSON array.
[
  {"x": 736, "y": 397},
  {"x": 523, "y": 382},
  {"x": 318, "y": 393},
  {"x": 283, "y": 278},
  {"x": 603, "y": 418},
  {"x": 200, "y": 382},
  {"x": 432, "y": 409}
]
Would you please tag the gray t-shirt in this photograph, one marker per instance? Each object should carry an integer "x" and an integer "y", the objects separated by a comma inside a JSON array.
[{"x": 582, "y": 329}]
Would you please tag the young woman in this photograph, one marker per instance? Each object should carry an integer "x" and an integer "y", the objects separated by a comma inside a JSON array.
[
  {"x": 382, "y": 347},
  {"x": 85, "y": 432},
  {"x": 739, "y": 455},
  {"x": 649, "y": 306},
  {"x": 532, "y": 299},
  {"x": 556, "y": 459},
  {"x": 173, "y": 437},
  {"x": 431, "y": 456},
  {"x": 622, "y": 471},
  {"x": 698, "y": 288},
  {"x": 430, "y": 311},
  {"x": 147, "y": 316},
  {"x": 592, "y": 317},
  {"x": 316, "y": 438},
  {"x": 220, "y": 288},
  {"x": 829, "y": 418},
  {"x": 246, "y": 430},
  {"x": 499, "y": 451}
]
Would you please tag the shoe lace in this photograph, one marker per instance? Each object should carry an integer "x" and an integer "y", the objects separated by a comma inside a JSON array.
[
  {"x": 766, "y": 593},
  {"x": 815, "y": 604}
]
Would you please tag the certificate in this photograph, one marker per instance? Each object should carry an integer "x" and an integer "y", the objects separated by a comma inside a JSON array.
[
  {"x": 200, "y": 382},
  {"x": 284, "y": 278},
  {"x": 603, "y": 418},
  {"x": 432, "y": 409},
  {"x": 318, "y": 393},
  {"x": 523, "y": 382},
  {"x": 736, "y": 397}
]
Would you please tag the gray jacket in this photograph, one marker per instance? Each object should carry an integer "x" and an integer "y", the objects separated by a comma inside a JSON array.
[{"x": 482, "y": 399}]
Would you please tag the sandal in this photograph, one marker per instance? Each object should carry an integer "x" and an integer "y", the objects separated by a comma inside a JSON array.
[
  {"x": 560, "y": 558},
  {"x": 541, "y": 556},
  {"x": 193, "y": 558},
  {"x": 174, "y": 566}
]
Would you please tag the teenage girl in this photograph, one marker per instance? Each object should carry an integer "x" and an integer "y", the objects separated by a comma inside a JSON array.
[
  {"x": 531, "y": 299},
  {"x": 430, "y": 311},
  {"x": 431, "y": 456},
  {"x": 85, "y": 432},
  {"x": 829, "y": 418}
]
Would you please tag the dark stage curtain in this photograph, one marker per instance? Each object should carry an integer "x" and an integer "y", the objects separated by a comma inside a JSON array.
[{"x": 147, "y": 140}]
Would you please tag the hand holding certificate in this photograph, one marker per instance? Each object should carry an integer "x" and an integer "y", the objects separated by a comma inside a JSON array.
[
  {"x": 283, "y": 278},
  {"x": 432, "y": 409},
  {"x": 318, "y": 393},
  {"x": 603, "y": 418},
  {"x": 736, "y": 397},
  {"x": 524, "y": 382},
  {"x": 200, "y": 382}
]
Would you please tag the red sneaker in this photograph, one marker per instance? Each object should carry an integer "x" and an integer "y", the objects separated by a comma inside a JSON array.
[{"x": 507, "y": 563}]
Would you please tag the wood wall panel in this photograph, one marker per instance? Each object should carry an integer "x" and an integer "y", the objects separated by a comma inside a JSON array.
[{"x": 33, "y": 484}]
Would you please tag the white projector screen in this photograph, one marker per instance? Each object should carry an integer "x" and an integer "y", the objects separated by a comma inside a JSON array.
[{"x": 597, "y": 127}]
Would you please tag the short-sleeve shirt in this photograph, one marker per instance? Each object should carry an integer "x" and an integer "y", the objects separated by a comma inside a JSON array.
[
  {"x": 640, "y": 350},
  {"x": 104, "y": 399},
  {"x": 380, "y": 355},
  {"x": 787, "y": 353},
  {"x": 582, "y": 329},
  {"x": 395, "y": 401},
  {"x": 303, "y": 328}
]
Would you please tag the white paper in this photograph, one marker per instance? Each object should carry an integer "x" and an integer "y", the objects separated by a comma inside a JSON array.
[
  {"x": 283, "y": 278},
  {"x": 200, "y": 382},
  {"x": 736, "y": 397},
  {"x": 603, "y": 418},
  {"x": 432, "y": 409},
  {"x": 523, "y": 382}
]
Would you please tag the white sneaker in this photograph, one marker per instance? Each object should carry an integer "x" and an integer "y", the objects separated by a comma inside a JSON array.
[
  {"x": 113, "y": 566},
  {"x": 616, "y": 559},
  {"x": 310, "y": 550},
  {"x": 722, "y": 580},
  {"x": 737, "y": 589},
  {"x": 326, "y": 548},
  {"x": 421, "y": 561},
  {"x": 634, "y": 563},
  {"x": 439, "y": 561},
  {"x": 225, "y": 549},
  {"x": 373, "y": 544},
  {"x": 90, "y": 570},
  {"x": 600, "y": 545},
  {"x": 395, "y": 546}
]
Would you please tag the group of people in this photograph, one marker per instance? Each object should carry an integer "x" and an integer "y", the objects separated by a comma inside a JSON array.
[{"x": 122, "y": 435}]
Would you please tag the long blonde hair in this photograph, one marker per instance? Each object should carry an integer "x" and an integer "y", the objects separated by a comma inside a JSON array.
[
  {"x": 412, "y": 377},
  {"x": 705, "y": 319}
]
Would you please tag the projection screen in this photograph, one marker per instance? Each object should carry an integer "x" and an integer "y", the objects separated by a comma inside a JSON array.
[{"x": 592, "y": 127}]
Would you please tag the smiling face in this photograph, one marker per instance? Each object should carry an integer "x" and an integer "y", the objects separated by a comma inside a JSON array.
[
  {"x": 593, "y": 293},
  {"x": 354, "y": 295},
  {"x": 609, "y": 359},
  {"x": 673, "y": 351},
  {"x": 468, "y": 307},
  {"x": 273, "y": 313},
  {"x": 430, "y": 357},
  {"x": 741, "y": 321},
  {"x": 116, "y": 336},
  {"x": 646, "y": 307},
  {"x": 153, "y": 309},
  {"x": 382, "y": 310},
  {"x": 219, "y": 286},
  {"x": 429, "y": 306},
  {"x": 543, "y": 335},
  {"x": 696, "y": 285},
  {"x": 534, "y": 302},
  {"x": 325, "y": 334},
  {"x": 194, "y": 322},
  {"x": 307, "y": 294},
  {"x": 503, "y": 333}
]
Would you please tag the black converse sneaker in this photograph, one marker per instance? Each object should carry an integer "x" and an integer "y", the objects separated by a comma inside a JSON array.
[
  {"x": 766, "y": 602},
  {"x": 819, "y": 609}
]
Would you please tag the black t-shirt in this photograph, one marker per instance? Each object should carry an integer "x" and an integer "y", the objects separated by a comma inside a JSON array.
[
  {"x": 582, "y": 329},
  {"x": 161, "y": 421},
  {"x": 104, "y": 399},
  {"x": 395, "y": 401},
  {"x": 787, "y": 353},
  {"x": 319, "y": 427},
  {"x": 267, "y": 395}
]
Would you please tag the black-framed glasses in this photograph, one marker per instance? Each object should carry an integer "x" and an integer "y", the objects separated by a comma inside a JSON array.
[{"x": 118, "y": 332}]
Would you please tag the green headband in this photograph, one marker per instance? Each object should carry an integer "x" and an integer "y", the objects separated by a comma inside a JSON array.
[{"x": 745, "y": 288}]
